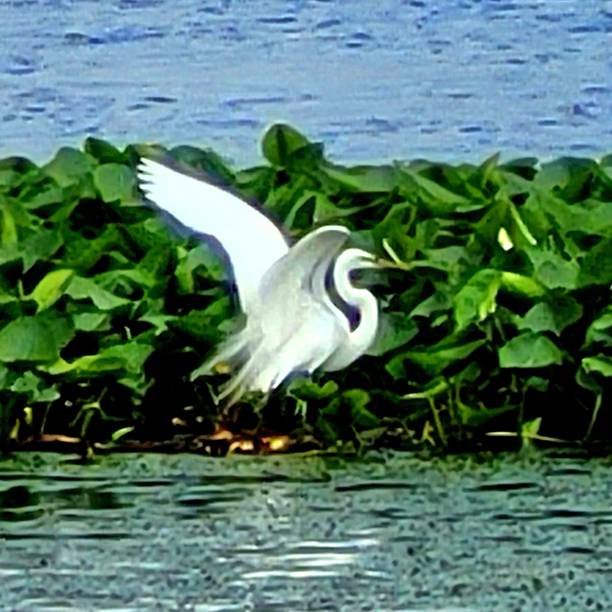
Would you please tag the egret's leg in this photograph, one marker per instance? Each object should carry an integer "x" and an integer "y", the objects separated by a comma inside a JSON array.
[
  {"x": 215, "y": 397},
  {"x": 262, "y": 401}
]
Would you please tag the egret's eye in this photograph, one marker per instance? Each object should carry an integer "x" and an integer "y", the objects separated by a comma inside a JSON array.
[{"x": 356, "y": 275}]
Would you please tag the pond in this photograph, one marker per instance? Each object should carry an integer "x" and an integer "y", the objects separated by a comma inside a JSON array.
[
  {"x": 386, "y": 532},
  {"x": 455, "y": 80}
]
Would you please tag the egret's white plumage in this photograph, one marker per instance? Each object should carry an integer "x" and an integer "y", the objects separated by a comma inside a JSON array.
[
  {"x": 207, "y": 209},
  {"x": 293, "y": 325}
]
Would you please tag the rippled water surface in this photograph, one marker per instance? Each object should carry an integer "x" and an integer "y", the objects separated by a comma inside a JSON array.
[
  {"x": 373, "y": 80},
  {"x": 388, "y": 532}
]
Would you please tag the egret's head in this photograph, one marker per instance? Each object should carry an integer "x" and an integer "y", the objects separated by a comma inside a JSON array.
[
  {"x": 358, "y": 259},
  {"x": 354, "y": 263}
]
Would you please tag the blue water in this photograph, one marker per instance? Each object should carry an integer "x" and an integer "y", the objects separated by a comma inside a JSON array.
[{"x": 380, "y": 80}]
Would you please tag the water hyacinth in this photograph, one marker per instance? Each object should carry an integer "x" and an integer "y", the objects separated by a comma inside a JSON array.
[{"x": 501, "y": 317}]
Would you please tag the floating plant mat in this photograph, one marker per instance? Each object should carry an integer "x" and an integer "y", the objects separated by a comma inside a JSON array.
[{"x": 500, "y": 327}]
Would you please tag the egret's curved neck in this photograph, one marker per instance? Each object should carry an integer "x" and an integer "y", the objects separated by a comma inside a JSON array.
[{"x": 362, "y": 336}]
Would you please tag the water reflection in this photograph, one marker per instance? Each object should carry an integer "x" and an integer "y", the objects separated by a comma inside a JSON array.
[{"x": 389, "y": 533}]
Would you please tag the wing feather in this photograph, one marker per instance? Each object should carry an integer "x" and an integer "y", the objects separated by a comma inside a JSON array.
[
  {"x": 287, "y": 291},
  {"x": 252, "y": 242}
]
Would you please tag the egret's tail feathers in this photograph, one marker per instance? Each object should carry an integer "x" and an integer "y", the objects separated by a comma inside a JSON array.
[
  {"x": 254, "y": 368},
  {"x": 244, "y": 361},
  {"x": 230, "y": 353},
  {"x": 245, "y": 379}
]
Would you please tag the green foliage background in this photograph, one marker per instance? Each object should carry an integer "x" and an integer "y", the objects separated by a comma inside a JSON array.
[{"x": 502, "y": 321}]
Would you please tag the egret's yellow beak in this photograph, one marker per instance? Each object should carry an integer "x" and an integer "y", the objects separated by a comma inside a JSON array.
[{"x": 379, "y": 262}]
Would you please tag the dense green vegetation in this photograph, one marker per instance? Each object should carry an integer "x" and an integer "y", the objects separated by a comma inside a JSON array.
[{"x": 501, "y": 323}]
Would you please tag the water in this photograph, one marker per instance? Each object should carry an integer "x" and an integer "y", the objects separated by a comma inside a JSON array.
[
  {"x": 373, "y": 80},
  {"x": 388, "y": 532}
]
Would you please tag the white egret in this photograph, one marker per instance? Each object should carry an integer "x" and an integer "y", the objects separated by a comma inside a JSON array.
[{"x": 292, "y": 322}]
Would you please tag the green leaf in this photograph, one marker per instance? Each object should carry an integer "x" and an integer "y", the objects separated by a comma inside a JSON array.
[
  {"x": 201, "y": 256},
  {"x": 476, "y": 417},
  {"x": 114, "y": 182},
  {"x": 256, "y": 183},
  {"x": 44, "y": 195},
  {"x": 308, "y": 390},
  {"x": 158, "y": 321},
  {"x": 200, "y": 325},
  {"x": 69, "y": 166},
  {"x": 134, "y": 355},
  {"x": 128, "y": 280},
  {"x": 14, "y": 170},
  {"x": 155, "y": 263},
  {"x": 364, "y": 179},
  {"x": 395, "y": 329},
  {"x": 122, "y": 432},
  {"x": 327, "y": 431},
  {"x": 553, "y": 270},
  {"x": 40, "y": 246},
  {"x": 83, "y": 254},
  {"x": 35, "y": 388},
  {"x": 602, "y": 364},
  {"x": 519, "y": 231},
  {"x": 104, "y": 152},
  {"x": 433, "y": 360},
  {"x": 280, "y": 142},
  {"x": 92, "y": 321},
  {"x": 129, "y": 357},
  {"x": 8, "y": 235},
  {"x": 546, "y": 212},
  {"x": 355, "y": 402},
  {"x": 475, "y": 301},
  {"x": 7, "y": 299},
  {"x": 50, "y": 288},
  {"x": 522, "y": 285},
  {"x": 529, "y": 350},
  {"x": 596, "y": 268},
  {"x": 81, "y": 288},
  {"x": 87, "y": 365},
  {"x": 438, "y": 199},
  {"x": 487, "y": 170},
  {"x": 361, "y": 417},
  {"x": 530, "y": 430},
  {"x": 451, "y": 259},
  {"x": 537, "y": 383},
  {"x": 38, "y": 338},
  {"x": 554, "y": 317},
  {"x": 600, "y": 330},
  {"x": 437, "y": 302},
  {"x": 568, "y": 175}
]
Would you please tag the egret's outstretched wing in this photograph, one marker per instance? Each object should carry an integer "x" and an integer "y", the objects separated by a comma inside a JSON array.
[{"x": 252, "y": 242}]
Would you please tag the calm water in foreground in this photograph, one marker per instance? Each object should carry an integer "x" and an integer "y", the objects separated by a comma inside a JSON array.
[{"x": 388, "y": 532}]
